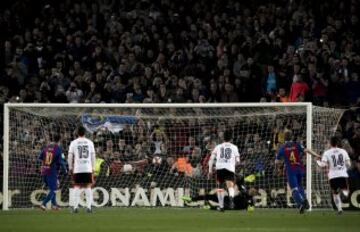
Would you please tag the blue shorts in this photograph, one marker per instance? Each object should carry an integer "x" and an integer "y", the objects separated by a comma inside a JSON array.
[
  {"x": 51, "y": 182},
  {"x": 295, "y": 179}
]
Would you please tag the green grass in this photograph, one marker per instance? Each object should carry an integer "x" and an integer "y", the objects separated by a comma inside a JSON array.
[{"x": 167, "y": 219}]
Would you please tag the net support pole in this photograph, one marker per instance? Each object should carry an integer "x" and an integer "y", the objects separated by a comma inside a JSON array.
[
  {"x": 309, "y": 122},
  {"x": 5, "y": 203}
]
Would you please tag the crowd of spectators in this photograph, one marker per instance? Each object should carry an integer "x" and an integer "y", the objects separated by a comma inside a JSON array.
[
  {"x": 119, "y": 51},
  {"x": 181, "y": 51}
]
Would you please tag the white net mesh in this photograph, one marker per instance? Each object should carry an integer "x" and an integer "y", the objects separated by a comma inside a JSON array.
[
  {"x": 152, "y": 156},
  {"x": 325, "y": 124}
]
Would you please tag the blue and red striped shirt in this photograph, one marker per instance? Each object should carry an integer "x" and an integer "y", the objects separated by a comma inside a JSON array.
[
  {"x": 51, "y": 157},
  {"x": 291, "y": 152}
]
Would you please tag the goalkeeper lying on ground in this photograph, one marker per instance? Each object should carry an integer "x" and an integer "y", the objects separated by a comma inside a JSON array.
[{"x": 243, "y": 200}]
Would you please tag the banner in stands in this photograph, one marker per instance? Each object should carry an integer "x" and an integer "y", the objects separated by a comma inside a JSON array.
[
  {"x": 150, "y": 197},
  {"x": 113, "y": 123}
]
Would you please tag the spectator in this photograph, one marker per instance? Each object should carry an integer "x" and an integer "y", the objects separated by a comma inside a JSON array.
[
  {"x": 318, "y": 85},
  {"x": 271, "y": 82},
  {"x": 298, "y": 89},
  {"x": 182, "y": 166},
  {"x": 158, "y": 139},
  {"x": 282, "y": 97},
  {"x": 355, "y": 141},
  {"x": 352, "y": 88},
  {"x": 190, "y": 146},
  {"x": 74, "y": 94},
  {"x": 229, "y": 95}
]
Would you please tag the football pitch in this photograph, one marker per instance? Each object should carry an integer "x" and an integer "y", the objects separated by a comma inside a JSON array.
[{"x": 168, "y": 219}]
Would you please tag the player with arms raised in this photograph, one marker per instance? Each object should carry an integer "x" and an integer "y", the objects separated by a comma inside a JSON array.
[
  {"x": 226, "y": 156},
  {"x": 338, "y": 161},
  {"x": 82, "y": 165},
  {"x": 51, "y": 158},
  {"x": 291, "y": 152}
]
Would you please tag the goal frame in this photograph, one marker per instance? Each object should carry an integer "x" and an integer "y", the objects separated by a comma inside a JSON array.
[{"x": 8, "y": 106}]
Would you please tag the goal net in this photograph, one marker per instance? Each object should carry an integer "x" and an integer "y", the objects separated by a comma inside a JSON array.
[{"x": 152, "y": 154}]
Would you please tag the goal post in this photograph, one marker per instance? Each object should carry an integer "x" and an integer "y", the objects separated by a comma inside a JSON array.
[
  {"x": 159, "y": 136},
  {"x": 5, "y": 194},
  {"x": 309, "y": 123}
]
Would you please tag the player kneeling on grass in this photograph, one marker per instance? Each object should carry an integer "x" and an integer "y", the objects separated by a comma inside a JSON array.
[
  {"x": 226, "y": 156},
  {"x": 243, "y": 200},
  {"x": 51, "y": 158},
  {"x": 291, "y": 152},
  {"x": 82, "y": 165},
  {"x": 338, "y": 161}
]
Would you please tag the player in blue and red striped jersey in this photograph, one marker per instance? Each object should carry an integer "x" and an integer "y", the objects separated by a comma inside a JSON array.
[
  {"x": 291, "y": 152},
  {"x": 51, "y": 159}
]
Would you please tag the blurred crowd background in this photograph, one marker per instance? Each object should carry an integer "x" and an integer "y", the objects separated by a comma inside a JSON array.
[{"x": 172, "y": 51}]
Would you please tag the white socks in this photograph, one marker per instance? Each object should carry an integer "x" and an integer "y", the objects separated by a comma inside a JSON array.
[
  {"x": 231, "y": 192},
  {"x": 220, "y": 195},
  {"x": 337, "y": 201},
  {"x": 89, "y": 197},
  {"x": 76, "y": 192}
]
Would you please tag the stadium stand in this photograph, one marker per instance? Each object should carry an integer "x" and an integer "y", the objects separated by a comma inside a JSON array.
[{"x": 109, "y": 51}]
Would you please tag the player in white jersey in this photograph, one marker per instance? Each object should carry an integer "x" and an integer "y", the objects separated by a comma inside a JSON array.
[
  {"x": 338, "y": 161},
  {"x": 227, "y": 157},
  {"x": 81, "y": 162}
]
